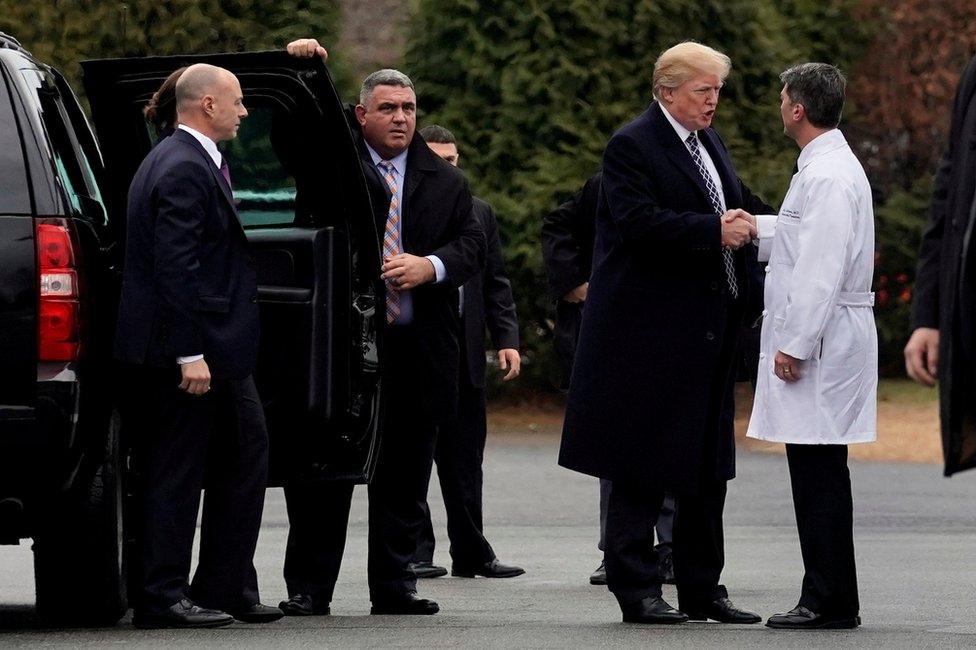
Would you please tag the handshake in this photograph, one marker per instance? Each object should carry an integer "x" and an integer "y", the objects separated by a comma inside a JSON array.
[{"x": 738, "y": 228}]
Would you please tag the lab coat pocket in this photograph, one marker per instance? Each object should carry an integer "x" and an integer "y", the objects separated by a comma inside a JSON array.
[{"x": 786, "y": 244}]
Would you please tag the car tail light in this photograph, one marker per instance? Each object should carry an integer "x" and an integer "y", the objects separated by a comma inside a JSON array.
[{"x": 59, "y": 322}]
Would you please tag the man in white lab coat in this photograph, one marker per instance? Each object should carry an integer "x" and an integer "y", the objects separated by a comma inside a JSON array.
[{"x": 818, "y": 366}]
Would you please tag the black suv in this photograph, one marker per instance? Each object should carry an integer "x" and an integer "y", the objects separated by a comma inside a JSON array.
[{"x": 65, "y": 466}]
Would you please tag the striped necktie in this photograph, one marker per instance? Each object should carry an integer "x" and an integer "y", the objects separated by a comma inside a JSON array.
[
  {"x": 727, "y": 259},
  {"x": 391, "y": 238}
]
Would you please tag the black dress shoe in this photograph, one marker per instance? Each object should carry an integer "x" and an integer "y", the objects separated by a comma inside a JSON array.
[
  {"x": 723, "y": 611},
  {"x": 427, "y": 570},
  {"x": 493, "y": 569},
  {"x": 407, "y": 604},
  {"x": 801, "y": 618},
  {"x": 183, "y": 614},
  {"x": 652, "y": 609},
  {"x": 599, "y": 577},
  {"x": 257, "y": 613},
  {"x": 302, "y": 605}
]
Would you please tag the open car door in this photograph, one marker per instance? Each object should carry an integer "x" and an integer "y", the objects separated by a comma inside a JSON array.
[{"x": 305, "y": 207}]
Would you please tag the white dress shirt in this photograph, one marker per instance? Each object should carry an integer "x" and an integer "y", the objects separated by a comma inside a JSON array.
[{"x": 683, "y": 133}]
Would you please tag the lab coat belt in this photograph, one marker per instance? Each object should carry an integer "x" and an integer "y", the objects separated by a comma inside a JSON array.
[{"x": 855, "y": 299}]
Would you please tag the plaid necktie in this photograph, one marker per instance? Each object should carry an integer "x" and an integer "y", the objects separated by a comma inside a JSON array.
[
  {"x": 717, "y": 206},
  {"x": 391, "y": 238}
]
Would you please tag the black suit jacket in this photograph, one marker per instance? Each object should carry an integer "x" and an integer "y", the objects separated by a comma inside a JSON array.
[
  {"x": 488, "y": 300},
  {"x": 188, "y": 286},
  {"x": 436, "y": 219},
  {"x": 945, "y": 284},
  {"x": 649, "y": 362},
  {"x": 568, "y": 233}
]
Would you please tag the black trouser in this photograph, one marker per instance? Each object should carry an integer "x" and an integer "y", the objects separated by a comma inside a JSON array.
[
  {"x": 824, "y": 508},
  {"x": 459, "y": 454},
  {"x": 664, "y": 526},
  {"x": 699, "y": 556},
  {"x": 319, "y": 513},
  {"x": 182, "y": 443}
]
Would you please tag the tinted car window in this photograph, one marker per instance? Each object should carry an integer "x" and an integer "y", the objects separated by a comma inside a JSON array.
[
  {"x": 72, "y": 167},
  {"x": 258, "y": 160},
  {"x": 14, "y": 191}
]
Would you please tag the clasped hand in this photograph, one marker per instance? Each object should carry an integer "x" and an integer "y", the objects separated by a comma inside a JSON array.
[
  {"x": 738, "y": 228},
  {"x": 406, "y": 271}
]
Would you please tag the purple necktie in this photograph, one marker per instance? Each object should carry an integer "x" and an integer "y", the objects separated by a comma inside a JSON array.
[{"x": 225, "y": 172}]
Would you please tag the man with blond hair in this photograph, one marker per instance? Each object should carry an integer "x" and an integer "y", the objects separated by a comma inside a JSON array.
[{"x": 649, "y": 404}]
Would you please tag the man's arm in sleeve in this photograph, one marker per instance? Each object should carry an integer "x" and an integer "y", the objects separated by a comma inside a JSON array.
[
  {"x": 826, "y": 232},
  {"x": 464, "y": 255},
  {"x": 500, "y": 314},
  {"x": 181, "y": 197},
  {"x": 561, "y": 242}
]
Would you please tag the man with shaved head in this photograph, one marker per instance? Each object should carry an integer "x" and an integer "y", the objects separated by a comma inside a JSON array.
[{"x": 188, "y": 332}]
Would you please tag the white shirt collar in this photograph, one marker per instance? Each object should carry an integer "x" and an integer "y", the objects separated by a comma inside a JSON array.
[
  {"x": 208, "y": 145},
  {"x": 823, "y": 143},
  {"x": 682, "y": 132},
  {"x": 399, "y": 162}
]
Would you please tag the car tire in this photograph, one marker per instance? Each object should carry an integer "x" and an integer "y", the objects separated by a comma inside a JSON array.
[{"x": 79, "y": 558}]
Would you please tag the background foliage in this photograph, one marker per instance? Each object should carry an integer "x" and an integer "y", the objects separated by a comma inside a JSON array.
[
  {"x": 533, "y": 89},
  {"x": 64, "y": 32}
]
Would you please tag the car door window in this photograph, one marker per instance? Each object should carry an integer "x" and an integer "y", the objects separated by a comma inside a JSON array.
[{"x": 14, "y": 190}]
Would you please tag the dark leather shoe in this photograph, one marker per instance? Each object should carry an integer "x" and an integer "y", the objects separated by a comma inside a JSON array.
[
  {"x": 723, "y": 611},
  {"x": 599, "y": 577},
  {"x": 408, "y": 604},
  {"x": 302, "y": 605},
  {"x": 257, "y": 613},
  {"x": 183, "y": 614},
  {"x": 652, "y": 609},
  {"x": 427, "y": 570},
  {"x": 801, "y": 618},
  {"x": 493, "y": 569}
]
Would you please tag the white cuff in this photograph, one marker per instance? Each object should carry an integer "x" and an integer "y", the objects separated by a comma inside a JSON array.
[
  {"x": 190, "y": 359},
  {"x": 766, "y": 227},
  {"x": 440, "y": 273}
]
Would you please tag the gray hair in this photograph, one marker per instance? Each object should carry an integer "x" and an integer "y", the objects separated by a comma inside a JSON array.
[
  {"x": 384, "y": 77},
  {"x": 819, "y": 87}
]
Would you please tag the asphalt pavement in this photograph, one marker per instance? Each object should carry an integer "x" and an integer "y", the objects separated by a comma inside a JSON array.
[{"x": 916, "y": 554}]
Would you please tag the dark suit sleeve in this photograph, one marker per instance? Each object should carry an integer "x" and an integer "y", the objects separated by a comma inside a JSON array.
[
  {"x": 563, "y": 245},
  {"x": 464, "y": 255},
  {"x": 636, "y": 212},
  {"x": 500, "y": 315},
  {"x": 181, "y": 195},
  {"x": 925, "y": 306}
]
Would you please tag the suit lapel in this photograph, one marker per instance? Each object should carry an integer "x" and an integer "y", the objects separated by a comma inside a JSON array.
[
  {"x": 675, "y": 149},
  {"x": 225, "y": 190},
  {"x": 730, "y": 182}
]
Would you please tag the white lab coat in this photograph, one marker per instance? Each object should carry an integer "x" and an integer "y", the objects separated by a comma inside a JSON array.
[{"x": 819, "y": 304}]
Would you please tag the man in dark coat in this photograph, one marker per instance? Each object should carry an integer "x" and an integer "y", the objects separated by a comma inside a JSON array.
[
  {"x": 647, "y": 406},
  {"x": 943, "y": 341},
  {"x": 188, "y": 333},
  {"x": 432, "y": 244},
  {"x": 486, "y": 299},
  {"x": 568, "y": 234}
]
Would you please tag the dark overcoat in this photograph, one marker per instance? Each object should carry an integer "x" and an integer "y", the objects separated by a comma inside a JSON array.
[
  {"x": 488, "y": 301},
  {"x": 437, "y": 218},
  {"x": 945, "y": 285},
  {"x": 189, "y": 286},
  {"x": 642, "y": 404}
]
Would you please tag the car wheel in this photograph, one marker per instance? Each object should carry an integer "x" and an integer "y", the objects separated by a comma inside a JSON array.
[{"x": 79, "y": 558}]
